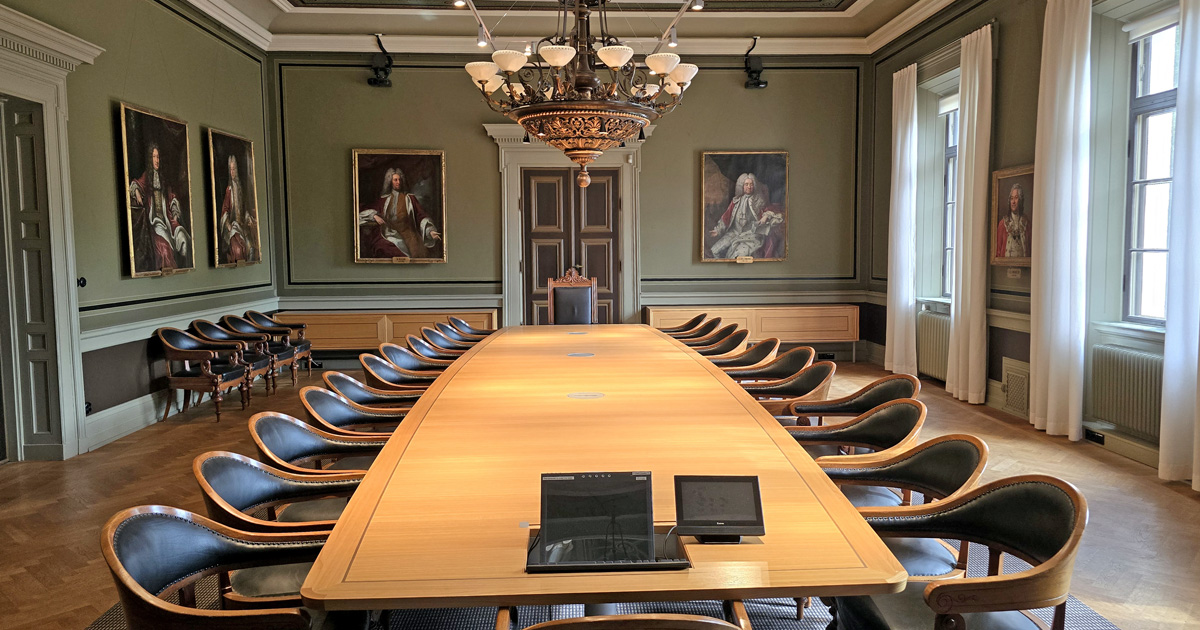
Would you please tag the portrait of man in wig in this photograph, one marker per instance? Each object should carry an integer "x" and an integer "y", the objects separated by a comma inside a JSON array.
[
  {"x": 158, "y": 218},
  {"x": 237, "y": 224},
  {"x": 395, "y": 225},
  {"x": 748, "y": 225},
  {"x": 1014, "y": 232}
]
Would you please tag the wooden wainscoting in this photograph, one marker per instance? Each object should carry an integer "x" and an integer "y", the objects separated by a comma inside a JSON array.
[
  {"x": 818, "y": 323},
  {"x": 365, "y": 330}
]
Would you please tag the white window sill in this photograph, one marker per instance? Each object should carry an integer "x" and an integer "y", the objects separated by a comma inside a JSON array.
[
  {"x": 1128, "y": 330},
  {"x": 934, "y": 300}
]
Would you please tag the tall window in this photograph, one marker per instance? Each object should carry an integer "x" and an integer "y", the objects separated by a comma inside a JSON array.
[
  {"x": 950, "y": 174},
  {"x": 1152, "y": 143}
]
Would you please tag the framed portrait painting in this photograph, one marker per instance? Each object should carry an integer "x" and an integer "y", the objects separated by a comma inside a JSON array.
[
  {"x": 744, "y": 207},
  {"x": 236, "y": 237},
  {"x": 399, "y": 206},
  {"x": 1012, "y": 216},
  {"x": 158, "y": 201}
]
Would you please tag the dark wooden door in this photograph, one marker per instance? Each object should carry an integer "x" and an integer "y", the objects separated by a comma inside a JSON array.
[{"x": 566, "y": 226}]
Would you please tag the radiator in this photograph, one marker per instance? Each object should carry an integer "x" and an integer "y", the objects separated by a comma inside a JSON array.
[
  {"x": 1127, "y": 389},
  {"x": 933, "y": 343}
]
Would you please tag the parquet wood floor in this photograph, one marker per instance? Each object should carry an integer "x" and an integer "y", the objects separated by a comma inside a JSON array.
[{"x": 1139, "y": 565}]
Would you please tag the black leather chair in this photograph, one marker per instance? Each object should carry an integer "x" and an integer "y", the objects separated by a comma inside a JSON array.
[
  {"x": 303, "y": 346},
  {"x": 439, "y": 340},
  {"x": 1036, "y": 518},
  {"x": 708, "y": 340},
  {"x": 329, "y": 412},
  {"x": 571, "y": 299},
  {"x": 462, "y": 325},
  {"x": 702, "y": 330},
  {"x": 406, "y": 359},
  {"x": 254, "y": 351},
  {"x": 352, "y": 389},
  {"x": 381, "y": 374},
  {"x": 758, "y": 354},
  {"x": 236, "y": 487},
  {"x": 685, "y": 326},
  {"x": 892, "y": 387},
  {"x": 156, "y": 553},
  {"x": 278, "y": 345},
  {"x": 728, "y": 345},
  {"x": 457, "y": 335},
  {"x": 207, "y": 367},
  {"x": 785, "y": 365},
  {"x": 430, "y": 351},
  {"x": 811, "y": 383},
  {"x": 884, "y": 431},
  {"x": 285, "y": 442}
]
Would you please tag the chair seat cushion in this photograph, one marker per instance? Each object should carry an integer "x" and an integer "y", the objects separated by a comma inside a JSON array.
[
  {"x": 922, "y": 557},
  {"x": 870, "y": 496},
  {"x": 281, "y": 352},
  {"x": 907, "y": 610},
  {"x": 270, "y": 581},
  {"x": 822, "y": 450},
  {"x": 319, "y": 510},
  {"x": 356, "y": 462},
  {"x": 257, "y": 361},
  {"x": 227, "y": 371},
  {"x": 302, "y": 345}
]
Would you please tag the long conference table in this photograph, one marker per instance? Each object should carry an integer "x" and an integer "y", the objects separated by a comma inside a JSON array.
[{"x": 443, "y": 517}]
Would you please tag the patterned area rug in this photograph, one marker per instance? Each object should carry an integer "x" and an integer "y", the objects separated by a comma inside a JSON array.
[{"x": 765, "y": 614}]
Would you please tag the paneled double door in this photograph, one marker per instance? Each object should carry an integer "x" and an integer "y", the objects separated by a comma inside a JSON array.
[{"x": 566, "y": 227}]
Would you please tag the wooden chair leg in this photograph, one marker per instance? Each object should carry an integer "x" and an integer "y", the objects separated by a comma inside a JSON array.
[
  {"x": 217, "y": 397},
  {"x": 295, "y": 373},
  {"x": 245, "y": 391},
  {"x": 801, "y": 604},
  {"x": 187, "y": 595},
  {"x": 1060, "y": 617},
  {"x": 187, "y": 400},
  {"x": 274, "y": 378},
  {"x": 170, "y": 401}
]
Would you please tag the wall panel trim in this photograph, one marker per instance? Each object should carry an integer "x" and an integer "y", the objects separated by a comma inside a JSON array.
[{"x": 135, "y": 331}]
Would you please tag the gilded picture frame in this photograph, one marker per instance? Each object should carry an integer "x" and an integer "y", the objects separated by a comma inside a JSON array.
[
  {"x": 743, "y": 206},
  {"x": 156, "y": 169},
  {"x": 399, "y": 205},
  {"x": 1012, "y": 230},
  {"x": 236, "y": 234}
]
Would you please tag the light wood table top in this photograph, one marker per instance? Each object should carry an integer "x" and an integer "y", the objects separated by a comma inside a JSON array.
[{"x": 441, "y": 519}]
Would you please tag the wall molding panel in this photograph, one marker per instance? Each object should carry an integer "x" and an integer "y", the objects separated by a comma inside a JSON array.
[
  {"x": 100, "y": 338},
  {"x": 114, "y": 423}
]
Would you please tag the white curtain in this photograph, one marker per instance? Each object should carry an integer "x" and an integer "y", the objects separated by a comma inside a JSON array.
[
  {"x": 1179, "y": 446},
  {"x": 966, "y": 368},
  {"x": 900, "y": 354},
  {"x": 1058, "y": 313}
]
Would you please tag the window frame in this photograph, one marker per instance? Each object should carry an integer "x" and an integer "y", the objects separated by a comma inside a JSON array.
[
  {"x": 947, "y": 192},
  {"x": 1141, "y": 107}
]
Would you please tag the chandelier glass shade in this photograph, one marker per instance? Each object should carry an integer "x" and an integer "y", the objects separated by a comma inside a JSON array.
[{"x": 579, "y": 92}]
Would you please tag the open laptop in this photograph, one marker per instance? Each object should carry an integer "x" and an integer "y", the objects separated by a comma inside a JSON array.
[{"x": 599, "y": 521}]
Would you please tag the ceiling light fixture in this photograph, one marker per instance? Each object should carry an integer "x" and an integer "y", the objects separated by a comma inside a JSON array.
[
  {"x": 462, "y": 3},
  {"x": 698, "y": 5},
  {"x": 674, "y": 40},
  {"x": 566, "y": 99}
]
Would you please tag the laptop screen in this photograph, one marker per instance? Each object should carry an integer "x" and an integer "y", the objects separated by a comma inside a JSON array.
[{"x": 597, "y": 517}]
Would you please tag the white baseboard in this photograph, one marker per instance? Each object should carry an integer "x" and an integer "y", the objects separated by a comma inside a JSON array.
[
  {"x": 136, "y": 331},
  {"x": 1125, "y": 445},
  {"x": 113, "y": 423}
]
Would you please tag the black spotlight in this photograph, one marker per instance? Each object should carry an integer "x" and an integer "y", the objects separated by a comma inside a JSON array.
[
  {"x": 525, "y": 140},
  {"x": 754, "y": 69},
  {"x": 381, "y": 66}
]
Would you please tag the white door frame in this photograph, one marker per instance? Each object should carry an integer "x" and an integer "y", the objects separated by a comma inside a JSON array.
[
  {"x": 35, "y": 59},
  {"x": 515, "y": 155}
]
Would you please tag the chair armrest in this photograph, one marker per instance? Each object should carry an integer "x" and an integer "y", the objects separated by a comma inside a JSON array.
[
  {"x": 177, "y": 354},
  {"x": 735, "y": 611},
  {"x": 1040, "y": 587}
]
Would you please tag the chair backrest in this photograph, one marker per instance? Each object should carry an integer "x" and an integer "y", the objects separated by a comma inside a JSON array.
[
  {"x": 382, "y": 373},
  {"x": 726, "y": 345},
  {"x": 353, "y": 389},
  {"x": 404, "y": 358},
  {"x": 155, "y": 551},
  {"x": 430, "y": 351},
  {"x": 260, "y": 319},
  {"x": 329, "y": 410},
  {"x": 753, "y": 355},
  {"x": 702, "y": 330},
  {"x": 785, "y": 365},
  {"x": 637, "y": 622},
  {"x": 712, "y": 338},
  {"x": 892, "y": 424},
  {"x": 1037, "y": 518},
  {"x": 571, "y": 299},
  {"x": 891, "y": 387},
  {"x": 685, "y": 326},
  {"x": 442, "y": 341},
  {"x": 811, "y": 380},
  {"x": 462, "y": 325},
  {"x": 240, "y": 324},
  {"x": 938, "y": 468},
  {"x": 175, "y": 338},
  {"x": 235, "y": 486},
  {"x": 288, "y": 443},
  {"x": 456, "y": 334}
]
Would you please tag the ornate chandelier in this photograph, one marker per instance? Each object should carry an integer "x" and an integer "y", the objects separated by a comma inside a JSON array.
[{"x": 582, "y": 93}]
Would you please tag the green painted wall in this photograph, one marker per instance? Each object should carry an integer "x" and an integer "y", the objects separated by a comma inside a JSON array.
[
  {"x": 812, "y": 113},
  {"x": 1019, "y": 38},
  {"x": 326, "y": 112},
  {"x": 158, "y": 59}
]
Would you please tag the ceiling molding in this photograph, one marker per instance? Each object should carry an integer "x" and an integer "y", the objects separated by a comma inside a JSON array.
[
  {"x": 233, "y": 19},
  {"x": 853, "y": 10},
  {"x": 44, "y": 42},
  {"x": 905, "y": 22},
  {"x": 400, "y": 44}
]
